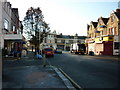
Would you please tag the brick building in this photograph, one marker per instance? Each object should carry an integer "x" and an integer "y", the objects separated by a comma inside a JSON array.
[
  {"x": 103, "y": 35},
  {"x": 113, "y": 27}
]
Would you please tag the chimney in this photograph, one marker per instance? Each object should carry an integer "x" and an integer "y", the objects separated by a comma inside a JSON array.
[{"x": 117, "y": 10}]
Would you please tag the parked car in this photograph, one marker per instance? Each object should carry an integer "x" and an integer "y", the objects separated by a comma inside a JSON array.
[
  {"x": 48, "y": 51},
  {"x": 58, "y": 50}
]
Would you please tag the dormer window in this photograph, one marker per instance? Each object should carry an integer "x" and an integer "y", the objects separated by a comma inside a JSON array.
[{"x": 100, "y": 22}]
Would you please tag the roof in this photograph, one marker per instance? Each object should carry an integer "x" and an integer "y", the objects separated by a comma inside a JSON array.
[
  {"x": 88, "y": 26},
  {"x": 70, "y": 37},
  {"x": 118, "y": 15},
  {"x": 105, "y": 20},
  {"x": 59, "y": 36},
  {"x": 15, "y": 11},
  {"x": 82, "y": 37},
  {"x": 95, "y": 24}
]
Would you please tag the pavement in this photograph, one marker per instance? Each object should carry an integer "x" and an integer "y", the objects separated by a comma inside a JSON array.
[
  {"x": 114, "y": 57},
  {"x": 31, "y": 73}
]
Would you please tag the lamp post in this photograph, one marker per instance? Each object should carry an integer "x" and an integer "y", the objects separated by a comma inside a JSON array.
[{"x": 39, "y": 31}]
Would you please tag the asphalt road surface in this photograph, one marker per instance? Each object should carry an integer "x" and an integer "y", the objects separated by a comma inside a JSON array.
[{"x": 88, "y": 71}]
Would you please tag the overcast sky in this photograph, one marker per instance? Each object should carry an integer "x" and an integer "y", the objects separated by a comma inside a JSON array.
[{"x": 68, "y": 16}]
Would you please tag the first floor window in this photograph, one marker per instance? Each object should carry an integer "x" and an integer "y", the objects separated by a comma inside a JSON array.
[
  {"x": 6, "y": 24},
  {"x": 13, "y": 28}
]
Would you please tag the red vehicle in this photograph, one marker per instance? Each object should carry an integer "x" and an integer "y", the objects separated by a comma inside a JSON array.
[{"x": 48, "y": 51}]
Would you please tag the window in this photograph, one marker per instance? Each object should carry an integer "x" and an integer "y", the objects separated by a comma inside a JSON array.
[
  {"x": 13, "y": 28},
  {"x": 50, "y": 41},
  {"x": 62, "y": 41},
  {"x": 45, "y": 40},
  {"x": 67, "y": 41},
  {"x": 71, "y": 41},
  {"x": 109, "y": 31},
  {"x": 116, "y": 45},
  {"x": 113, "y": 31},
  {"x": 59, "y": 41},
  {"x": 100, "y": 22},
  {"x": 48, "y": 49},
  {"x": 112, "y": 19},
  {"x": 101, "y": 33},
  {"x": 6, "y": 24}
]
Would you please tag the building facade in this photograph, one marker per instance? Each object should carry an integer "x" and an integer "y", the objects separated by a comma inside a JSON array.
[
  {"x": 64, "y": 41},
  {"x": 49, "y": 41},
  {"x": 90, "y": 41},
  {"x": 113, "y": 27},
  {"x": 61, "y": 41},
  {"x": 11, "y": 28},
  {"x": 103, "y": 37}
]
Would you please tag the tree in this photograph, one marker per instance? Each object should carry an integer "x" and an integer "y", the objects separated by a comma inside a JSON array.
[{"x": 34, "y": 26}]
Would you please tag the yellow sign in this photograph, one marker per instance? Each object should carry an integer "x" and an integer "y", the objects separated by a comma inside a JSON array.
[{"x": 105, "y": 38}]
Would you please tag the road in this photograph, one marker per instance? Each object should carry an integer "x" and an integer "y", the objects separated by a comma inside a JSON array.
[{"x": 87, "y": 71}]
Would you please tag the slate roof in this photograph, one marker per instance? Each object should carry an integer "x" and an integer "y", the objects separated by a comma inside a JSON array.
[
  {"x": 118, "y": 15},
  {"x": 105, "y": 20},
  {"x": 95, "y": 24},
  {"x": 70, "y": 37}
]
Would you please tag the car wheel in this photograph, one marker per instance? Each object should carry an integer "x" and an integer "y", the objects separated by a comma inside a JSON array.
[{"x": 52, "y": 55}]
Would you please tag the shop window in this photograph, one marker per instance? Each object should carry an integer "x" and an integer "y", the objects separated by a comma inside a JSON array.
[
  {"x": 116, "y": 45},
  {"x": 101, "y": 38}
]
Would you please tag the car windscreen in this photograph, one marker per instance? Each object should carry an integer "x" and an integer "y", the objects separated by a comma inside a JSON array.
[
  {"x": 59, "y": 49},
  {"x": 48, "y": 49}
]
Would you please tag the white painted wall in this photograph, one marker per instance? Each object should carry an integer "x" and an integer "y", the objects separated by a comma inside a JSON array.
[
  {"x": 4, "y": 14},
  {"x": 1, "y": 34}
]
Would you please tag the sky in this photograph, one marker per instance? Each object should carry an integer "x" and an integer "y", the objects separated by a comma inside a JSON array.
[{"x": 68, "y": 16}]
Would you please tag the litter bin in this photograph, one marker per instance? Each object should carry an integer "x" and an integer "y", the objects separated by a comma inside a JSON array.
[{"x": 92, "y": 53}]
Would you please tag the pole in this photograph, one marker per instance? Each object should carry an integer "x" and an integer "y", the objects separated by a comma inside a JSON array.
[
  {"x": 44, "y": 60},
  {"x": 39, "y": 42}
]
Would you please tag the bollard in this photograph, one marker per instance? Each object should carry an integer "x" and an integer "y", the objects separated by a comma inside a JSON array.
[{"x": 44, "y": 60}]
